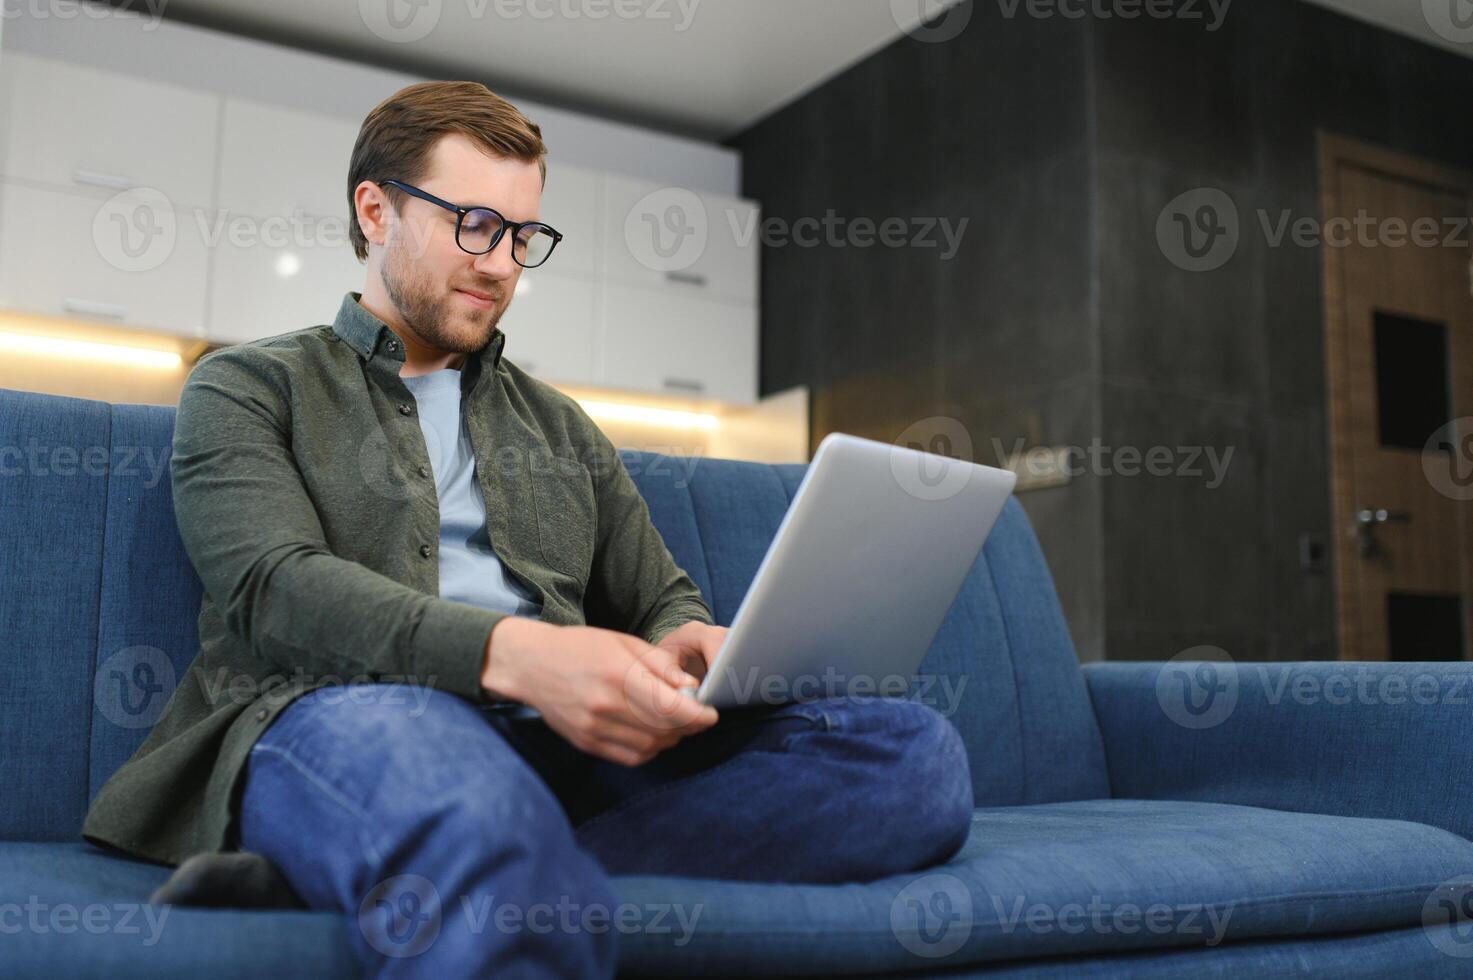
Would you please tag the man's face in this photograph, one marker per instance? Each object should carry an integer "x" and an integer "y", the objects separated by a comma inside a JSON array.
[{"x": 450, "y": 299}]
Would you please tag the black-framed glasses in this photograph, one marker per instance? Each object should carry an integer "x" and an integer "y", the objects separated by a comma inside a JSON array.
[{"x": 478, "y": 230}]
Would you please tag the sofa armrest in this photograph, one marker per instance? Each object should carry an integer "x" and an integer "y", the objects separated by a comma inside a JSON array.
[{"x": 1355, "y": 739}]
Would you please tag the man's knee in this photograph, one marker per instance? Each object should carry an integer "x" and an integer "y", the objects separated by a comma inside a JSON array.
[{"x": 922, "y": 763}]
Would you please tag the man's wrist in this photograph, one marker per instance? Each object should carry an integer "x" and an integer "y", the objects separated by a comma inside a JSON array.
[{"x": 499, "y": 679}]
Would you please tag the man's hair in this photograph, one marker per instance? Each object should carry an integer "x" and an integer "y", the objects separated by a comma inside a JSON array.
[{"x": 395, "y": 140}]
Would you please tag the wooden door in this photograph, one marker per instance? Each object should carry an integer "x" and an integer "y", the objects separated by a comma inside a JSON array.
[{"x": 1399, "y": 358}]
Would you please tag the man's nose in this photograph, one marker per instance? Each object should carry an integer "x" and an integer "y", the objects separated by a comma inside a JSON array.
[{"x": 497, "y": 263}]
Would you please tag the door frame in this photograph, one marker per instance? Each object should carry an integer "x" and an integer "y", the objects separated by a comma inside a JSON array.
[{"x": 1334, "y": 150}]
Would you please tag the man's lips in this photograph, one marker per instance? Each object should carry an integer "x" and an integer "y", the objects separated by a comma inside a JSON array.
[{"x": 484, "y": 299}]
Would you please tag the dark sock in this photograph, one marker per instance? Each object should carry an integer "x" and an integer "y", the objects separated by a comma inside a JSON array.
[{"x": 228, "y": 879}]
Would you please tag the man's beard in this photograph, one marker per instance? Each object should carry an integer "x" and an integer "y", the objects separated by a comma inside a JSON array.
[{"x": 440, "y": 320}]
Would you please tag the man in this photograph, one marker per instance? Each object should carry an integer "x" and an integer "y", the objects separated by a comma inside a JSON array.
[{"x": 443, "y": 647}]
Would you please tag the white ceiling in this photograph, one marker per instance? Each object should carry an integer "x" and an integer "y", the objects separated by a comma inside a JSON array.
[{"x": 706, "y": 68}]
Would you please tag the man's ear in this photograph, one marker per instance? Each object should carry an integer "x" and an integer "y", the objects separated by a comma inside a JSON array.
[{"x": 372, "y": 209}]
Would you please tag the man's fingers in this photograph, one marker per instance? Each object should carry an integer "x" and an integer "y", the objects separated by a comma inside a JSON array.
[
  {"x": 633, "y": 736},
  {"x": 659, "y": 705},
  {"x": 666, "y": 664}
]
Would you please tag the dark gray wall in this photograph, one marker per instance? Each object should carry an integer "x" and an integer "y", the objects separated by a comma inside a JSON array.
[
  {"x": 1061, "y": 319},
  {"x": 991, "y": 126},
  {"x": 1235, "y": 356}
]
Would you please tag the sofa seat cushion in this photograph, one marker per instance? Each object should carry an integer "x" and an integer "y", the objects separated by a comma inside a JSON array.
[
  {"x": 1062, "y": 879},
  {"x": 1053, "y": 880},
  {"x": 72, "y": 910}
]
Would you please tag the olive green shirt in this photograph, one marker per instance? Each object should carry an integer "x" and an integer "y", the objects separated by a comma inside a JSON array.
[{"x": 306, "y": 502}]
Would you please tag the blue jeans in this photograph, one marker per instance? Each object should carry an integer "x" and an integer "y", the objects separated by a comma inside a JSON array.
[{"x": 472, "y": 842}]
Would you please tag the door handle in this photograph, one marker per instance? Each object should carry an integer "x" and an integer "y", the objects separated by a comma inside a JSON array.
[
  {"x": 92, "y": 307},
  {"x": 1367, "y": 519},
  {"x": 685, "y": 384},
  {"x": 96, "y": 178},
  {"x": 688, "y": 278}
]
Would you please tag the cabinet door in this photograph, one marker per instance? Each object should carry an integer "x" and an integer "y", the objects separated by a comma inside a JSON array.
[
  {"x": 259, "y": 290},
  {"x": 549, "y": 327},
  {"x": 127, "y": 259},
  {"x": 698, "y": 245},
  {"x": 677, "y": 345},
  {"x": 71, "y": 125},
  {"x": 570, "y": 204},
  {"x": 277, "y": 163}
]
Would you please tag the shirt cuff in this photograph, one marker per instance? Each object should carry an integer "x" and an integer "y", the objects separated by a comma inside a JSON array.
[
  {"x": 668, "y": 626},
  {"x": 450, "y": 647}
]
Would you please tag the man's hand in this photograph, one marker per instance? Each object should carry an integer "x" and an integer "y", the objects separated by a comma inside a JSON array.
[
  {"x": 694, "y": 644},
  {"x": 608, "y": 693}
]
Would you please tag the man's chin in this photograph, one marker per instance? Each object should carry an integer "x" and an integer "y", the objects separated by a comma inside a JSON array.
[{"x": 476, "y": 335}]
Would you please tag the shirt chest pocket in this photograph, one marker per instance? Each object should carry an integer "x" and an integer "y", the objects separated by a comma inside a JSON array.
[{"x": 566, "y": 519}]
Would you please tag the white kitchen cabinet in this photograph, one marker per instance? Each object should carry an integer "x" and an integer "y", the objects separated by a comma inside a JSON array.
[
  {"x": 260, "y": 289},
  {"x": 670, "y": 238},
  {"x": 570, "y": 204},
  {"x": 655, "y": 342},
  {"x": 126, "y": 260},
  {"x": 187, "y": 210},
  {"x": 70, "y": 125},
  {"x": 549, "y": 326},
  {"x": 277, "y": 162}
]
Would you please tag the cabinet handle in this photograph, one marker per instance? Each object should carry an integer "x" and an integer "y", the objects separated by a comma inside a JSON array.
[
  {"x": 98, "y": 179},
  {"x": 92, "y": 307},
  {"x": 685, "y": 384},
  {"x": 689, "y": 278}
]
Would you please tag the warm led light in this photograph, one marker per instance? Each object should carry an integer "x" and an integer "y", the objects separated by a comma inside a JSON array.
[
  {"x": 116, "y": 353},
  {"x": 650, "y": 416}
]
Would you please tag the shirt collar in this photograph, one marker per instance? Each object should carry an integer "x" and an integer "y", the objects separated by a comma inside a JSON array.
[{"x": 372, "y": 337}]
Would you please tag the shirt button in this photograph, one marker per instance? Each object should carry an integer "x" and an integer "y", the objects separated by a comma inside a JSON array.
[
  {"x": 424, "y": 471},
  {"x": 392, "y": 345},
  {"x": 425, "y": 551},
  {"x": 405, "y": 410}
]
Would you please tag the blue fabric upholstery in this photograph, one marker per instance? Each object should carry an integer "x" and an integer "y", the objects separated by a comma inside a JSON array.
[
  {"x": 150, "y": 594},
  {"x": 1212, "y": 871},
  {"x": 52, "y": 881},
  {"x": 1390, "y": 953},
  {"x": 53, "y": 509},
  {"x": 1030, "y": 873},
  {"x": 1359, "y": 739},
  {"x": 93, "y": 579},
  {"x": 1345, "y": 819}
]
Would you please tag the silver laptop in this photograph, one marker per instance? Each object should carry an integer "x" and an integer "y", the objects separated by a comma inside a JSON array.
[{"x": 865, "y": 564}]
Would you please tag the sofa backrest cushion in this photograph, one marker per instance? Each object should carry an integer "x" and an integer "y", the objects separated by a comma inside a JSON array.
[{"x": 99, "y": 603}]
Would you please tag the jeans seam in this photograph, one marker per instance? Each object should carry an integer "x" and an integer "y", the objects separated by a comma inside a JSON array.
[{"x": 331, "y": 792}]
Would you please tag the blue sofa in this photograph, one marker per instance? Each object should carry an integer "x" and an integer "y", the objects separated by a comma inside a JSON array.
[{"x": 1134, "y": 819}]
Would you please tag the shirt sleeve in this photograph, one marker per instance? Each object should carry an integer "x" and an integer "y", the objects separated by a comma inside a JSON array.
[
  {"x": 254, "y": 537},
  {"x": 635, "y": 582}
]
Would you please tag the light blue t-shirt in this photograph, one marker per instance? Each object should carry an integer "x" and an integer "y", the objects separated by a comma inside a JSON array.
[{"x": 469, "y": 569}]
